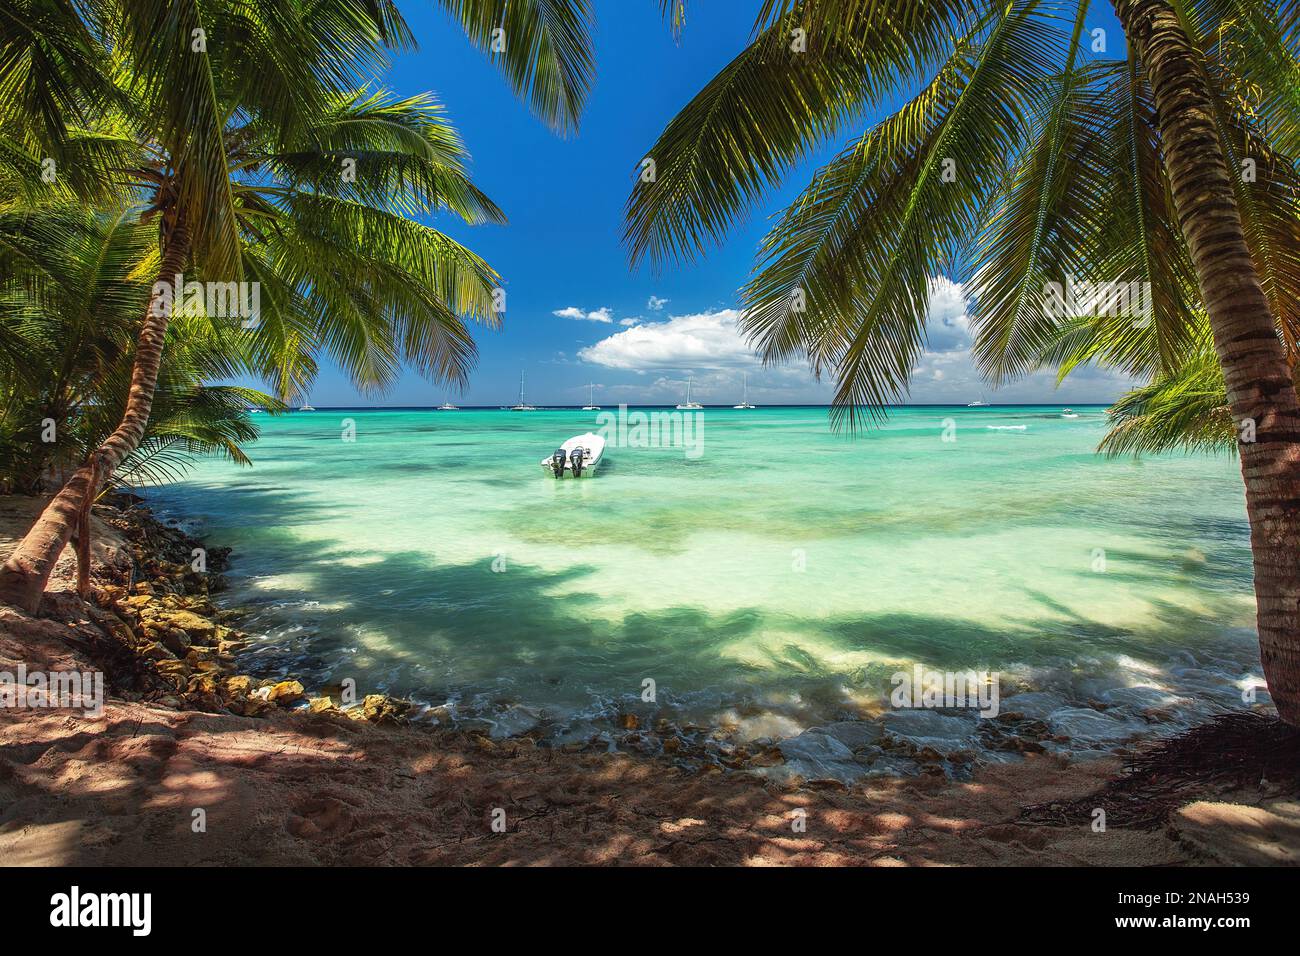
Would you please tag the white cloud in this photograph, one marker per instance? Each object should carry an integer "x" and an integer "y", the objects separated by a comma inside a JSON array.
[
  {"x": 946, "y": 370},
  {"x": 947, "y": 326},
  {"x": 603, "y": 314},
  {"x": 632, "y": 321},
  {"x": 704, "y": 340},
  {"x": 709, "y": 345},
  {"x": 654, "y": 304}
]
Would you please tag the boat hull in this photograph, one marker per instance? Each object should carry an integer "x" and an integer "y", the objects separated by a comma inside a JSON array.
[{"x": 593, "y": 447}]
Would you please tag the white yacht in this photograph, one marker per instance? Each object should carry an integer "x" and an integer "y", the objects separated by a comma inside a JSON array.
[
  {"x": 578, "y": 456},
  {"x": 1069, "y": 413},
  {"x": 591, "y": 405},
  {"x": 744, "y": 398},
  {"x": 690, "y": 404},
  {"x": 306, "y": 408},
  {"x": 447, "y": 406},
  {"x": 522, "y": 406},
  {"x": 980, "y": 404}
]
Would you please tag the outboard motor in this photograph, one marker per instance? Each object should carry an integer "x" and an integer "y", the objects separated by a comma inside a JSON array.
[
  {"x": 557, "y": 463},
  {"x": 575, "y": 461}
]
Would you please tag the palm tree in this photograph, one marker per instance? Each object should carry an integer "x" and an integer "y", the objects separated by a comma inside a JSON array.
[
  {"x": 66, "y": 354},
  {"x": 1017, "y": 159},
  {"x": 244, "y": 118}
]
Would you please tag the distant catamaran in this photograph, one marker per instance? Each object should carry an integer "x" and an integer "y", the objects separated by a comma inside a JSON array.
[
  {"x": 744, "y": 399},
  {"x": 690, "y": 404},
  {"x": 522, "y": 406},
  {"x": 591, "y": 405}
]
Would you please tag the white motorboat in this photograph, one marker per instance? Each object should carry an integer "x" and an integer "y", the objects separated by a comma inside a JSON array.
[
  {"x": 689, "y": 404},
  {"x": 744, "y": 397},
  {"x": 1069, "y": 413},
  {"x": 591, "y": 405},
  {"x": 522, "y": 406},
  {"x": 578, "y": 457},
  {"x": 447, "y": 406}
]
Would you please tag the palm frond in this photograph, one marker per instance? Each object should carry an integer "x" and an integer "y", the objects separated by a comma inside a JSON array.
[
  {"x": 768, "y": 109},
  {"x": 542, "y": 47},
  {"x": 1185, "y": 410},
  {"x": 380, "y": 150},
  {"x": 847, "y": 271}
]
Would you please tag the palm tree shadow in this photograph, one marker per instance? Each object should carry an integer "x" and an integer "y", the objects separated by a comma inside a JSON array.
[{"x": 485, "y": 635}]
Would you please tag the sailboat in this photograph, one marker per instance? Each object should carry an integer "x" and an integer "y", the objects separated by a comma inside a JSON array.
[
  {"x": 591, "y": 405},
  {"x": 980, "y": 404},
  {"x": 522, "y": 406},
  {"x": 690, "y": 404},
  {"x": 744, "y": 400},
  {"x": 306, "y": 408}
]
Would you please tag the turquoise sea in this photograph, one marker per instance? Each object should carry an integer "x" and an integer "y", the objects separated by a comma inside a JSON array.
[{"x": 769, "y": 582}]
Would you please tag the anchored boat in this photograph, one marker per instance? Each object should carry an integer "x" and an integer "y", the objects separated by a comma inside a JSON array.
[
  {"x": 689, "y": 404},
  {"x": 744, "y": 401},
  {"x": 578, "y": 456},
  {"x": 522, "y": 406}
]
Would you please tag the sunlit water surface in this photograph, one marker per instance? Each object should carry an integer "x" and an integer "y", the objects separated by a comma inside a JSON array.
[{"x": 771, "y": 585}]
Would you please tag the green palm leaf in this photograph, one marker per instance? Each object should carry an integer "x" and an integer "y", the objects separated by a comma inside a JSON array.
[
  {"x": 768, "y": 109},
  {"x": 542, "y": 47}
]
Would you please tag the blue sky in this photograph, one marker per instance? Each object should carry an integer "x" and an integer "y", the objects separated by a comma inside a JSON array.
[{"x": 637, "y": 335}]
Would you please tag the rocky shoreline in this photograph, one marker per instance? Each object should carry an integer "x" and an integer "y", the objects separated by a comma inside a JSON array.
[{"x": 161, "y": 610}]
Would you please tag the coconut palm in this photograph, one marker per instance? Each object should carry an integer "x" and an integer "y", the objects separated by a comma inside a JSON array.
[
  {"x": 265, "y": 158},
  {"x": 1016, "y": 159},
  {"x": 66, "y": 338}
]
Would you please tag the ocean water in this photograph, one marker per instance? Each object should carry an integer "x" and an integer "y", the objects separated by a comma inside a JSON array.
[{"x": 769, "y": 580}]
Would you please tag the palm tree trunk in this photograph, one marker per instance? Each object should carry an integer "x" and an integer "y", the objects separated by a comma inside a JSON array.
[
  {"x": 24, "y": 575},
  {"x": 1245, "y": 334}
]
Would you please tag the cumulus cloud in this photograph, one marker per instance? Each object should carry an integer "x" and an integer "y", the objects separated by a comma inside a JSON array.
[
  {"x": 710, "y": 345},
  {"x": 603, "y": 314},
  {"x": 947, "y": 326},
  {"x": 703, "y": 340},
  {"x": 654, "y": 303}
]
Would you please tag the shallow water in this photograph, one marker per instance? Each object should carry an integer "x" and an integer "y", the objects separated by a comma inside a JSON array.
[{"x": 770, "y": 585}]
